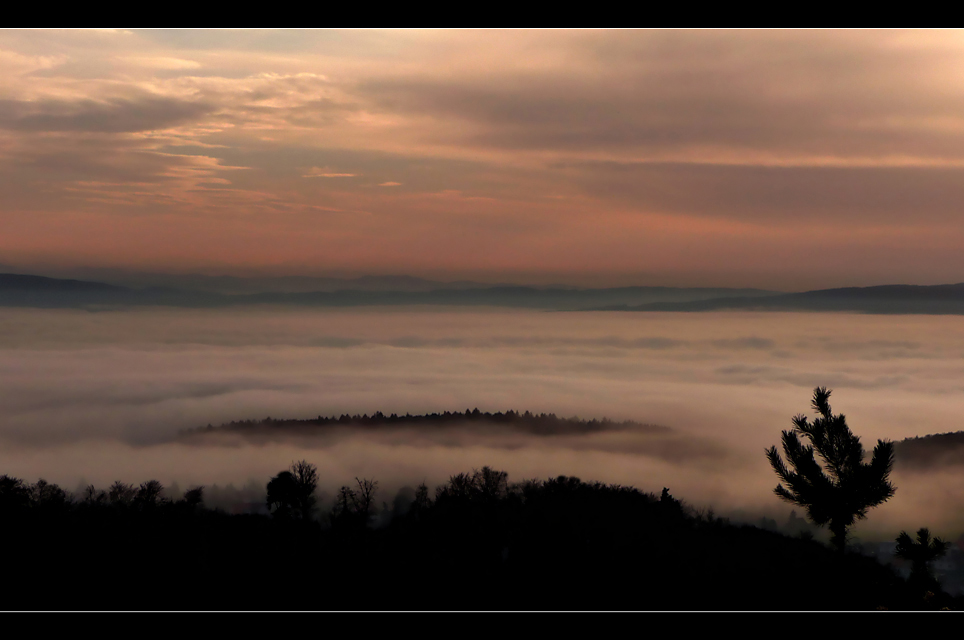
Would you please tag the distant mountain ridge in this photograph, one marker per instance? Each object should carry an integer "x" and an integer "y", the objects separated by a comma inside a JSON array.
[
  {"x": 18, "y": 290},
  {"x": 38, "y": 291},
  {"x": 17, "y": 282},
  {"x": 886, "y": 299},
  {"x": 272, "y": 284}
]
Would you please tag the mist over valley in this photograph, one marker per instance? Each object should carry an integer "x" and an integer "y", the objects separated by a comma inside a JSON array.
[{"x": 97, "y": 397}]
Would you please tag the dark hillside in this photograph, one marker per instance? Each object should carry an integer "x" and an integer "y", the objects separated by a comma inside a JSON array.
[{"x": 476, "y": 542}]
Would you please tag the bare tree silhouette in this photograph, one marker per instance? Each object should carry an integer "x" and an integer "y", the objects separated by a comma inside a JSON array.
[
  {"x": 354, "y": 507},
  {"x": 121, "y": 494},
  {"x": 482, "y": 485},
  {"x": 841, "y": 491},
  {"x": 306, "y": 479},
  {"x": 292, "y": 492},
  {"x": 365, "y": 497}
]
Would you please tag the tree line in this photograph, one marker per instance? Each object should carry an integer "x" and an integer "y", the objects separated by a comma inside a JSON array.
[{"x": 546, "y": 423}]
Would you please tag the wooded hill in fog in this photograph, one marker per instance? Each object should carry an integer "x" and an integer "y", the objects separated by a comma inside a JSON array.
[
  {"x": 931, "y": 451},
  {"x": 538, "y": 424}
]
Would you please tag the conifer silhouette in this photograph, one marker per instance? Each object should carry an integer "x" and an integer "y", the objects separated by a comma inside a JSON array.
[
  {"x": 921, "y": 553},
  {"x": 841, "y": 491}
]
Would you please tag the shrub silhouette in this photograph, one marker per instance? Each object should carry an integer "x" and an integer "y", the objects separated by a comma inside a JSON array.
[
  {"x": 281, "y": 494},
  {"x": 839, "y": 493},
  {"x": 193, "y": 497}
]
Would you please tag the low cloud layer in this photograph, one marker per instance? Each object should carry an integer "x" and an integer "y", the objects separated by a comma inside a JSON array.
[{"x": 101, "y": 396}]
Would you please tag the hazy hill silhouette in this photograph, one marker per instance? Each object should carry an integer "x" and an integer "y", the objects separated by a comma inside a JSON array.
[
  {"x": 36, "y": 291},
  {"x": 271, "y": 284},
  {"x": 16, "y": 282},
  {"x": 18, "y": 290},
  {"x": 896, "y": 299},
  {"x": 931, "y": 451}
]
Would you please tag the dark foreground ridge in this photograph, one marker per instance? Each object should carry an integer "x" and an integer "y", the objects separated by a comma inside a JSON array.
[
  {"x": 476, "y": 542},
  {"x": 536, "y": 424}
]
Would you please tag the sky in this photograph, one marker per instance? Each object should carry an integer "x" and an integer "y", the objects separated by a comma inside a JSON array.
[{"x": 788, "y": 160}]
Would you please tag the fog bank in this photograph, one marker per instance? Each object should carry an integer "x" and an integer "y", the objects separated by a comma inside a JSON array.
[{"x": 101, "y": 396}]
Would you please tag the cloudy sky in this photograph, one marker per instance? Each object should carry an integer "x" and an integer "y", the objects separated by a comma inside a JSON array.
[{"x": 788, "y": 159}]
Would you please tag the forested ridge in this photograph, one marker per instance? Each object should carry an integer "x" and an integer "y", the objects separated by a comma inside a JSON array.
[
  {"x": 474, "y": 542},
  {"x": 542, "y": 423}
]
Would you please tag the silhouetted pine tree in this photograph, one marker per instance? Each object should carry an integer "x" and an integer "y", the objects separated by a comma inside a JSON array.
[{"x": 839, "y": 493}]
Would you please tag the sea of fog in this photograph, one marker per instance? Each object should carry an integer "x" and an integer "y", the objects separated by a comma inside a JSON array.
[{"x": 94, "y": 397}]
